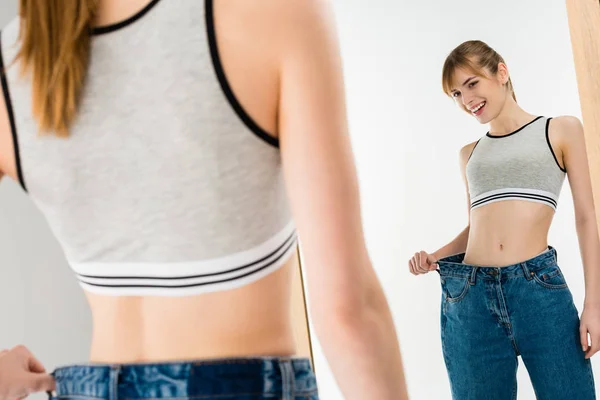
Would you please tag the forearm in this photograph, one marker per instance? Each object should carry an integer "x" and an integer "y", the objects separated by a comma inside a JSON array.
[
  {"x": 363, "y": 351},
  {"x": 458, "y": 245},
  {"x": 589, "y": 246}
]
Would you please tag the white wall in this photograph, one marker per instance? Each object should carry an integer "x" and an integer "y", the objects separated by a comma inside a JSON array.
[{"x": 407, "y": 134}]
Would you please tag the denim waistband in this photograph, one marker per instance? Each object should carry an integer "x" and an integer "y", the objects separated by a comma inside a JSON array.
[
  {"x": 206, "y": 378},
  {"x": 454, "y": 266}
]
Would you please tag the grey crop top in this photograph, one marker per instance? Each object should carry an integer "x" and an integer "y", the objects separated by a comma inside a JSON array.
[
  {"x": 166, "y": 186},
  {"x": 518, "y": 166}
]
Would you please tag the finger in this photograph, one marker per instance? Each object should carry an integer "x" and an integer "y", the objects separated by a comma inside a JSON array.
[
  {"x": 410, "y": 266},
  {"x": 416, "y": 262},
  {"x": 422, "y": 266},
  {"x": 428, "y": 264},
  {"x": 419, "y": 269},
  {"x": 583, "y": 337},
  {"x": 590, "y": 349},
  {"x": 3, "y": 352},
  {"x": 424, "y": 262},
  {"x": 414, "y": 269},
  {"x": 433, "y": 262},
  {"x": 34, "y": 365},
  {"x": 595, "y": 345},
  {"x": 422, "y": 271},
  {"x": 41, "y": 383}
]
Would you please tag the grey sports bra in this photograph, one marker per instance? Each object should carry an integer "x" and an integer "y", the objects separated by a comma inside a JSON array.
[
  {"x": 519, "y": 166},
  {"x": 166, "y": 186}
]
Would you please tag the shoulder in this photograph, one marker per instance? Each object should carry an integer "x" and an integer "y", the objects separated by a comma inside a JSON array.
[
  {"x": 466, "y": 150},
  {"x": 565, "y": 129},
  {"x": 300, "y": 10},
  {"x": 282, "y": 25},
  {"x": 303, "y": 22},
  {"x": 565, "y": 124},
  {"x": 286, "y": 15}
]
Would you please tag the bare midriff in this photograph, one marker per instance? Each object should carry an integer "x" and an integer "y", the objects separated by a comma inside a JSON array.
[{"x": 508, "y": 232}]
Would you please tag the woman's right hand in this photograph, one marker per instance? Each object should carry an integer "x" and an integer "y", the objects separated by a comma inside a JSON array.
[
  {"x": 21, "y": 374},
  {"x": 422, "y": 263}
]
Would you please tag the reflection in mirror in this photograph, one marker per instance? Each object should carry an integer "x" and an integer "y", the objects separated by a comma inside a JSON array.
[{"x": 466, "y": 126}]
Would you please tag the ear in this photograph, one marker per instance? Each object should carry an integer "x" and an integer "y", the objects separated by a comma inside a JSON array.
[{"x": 502, "y": 75}]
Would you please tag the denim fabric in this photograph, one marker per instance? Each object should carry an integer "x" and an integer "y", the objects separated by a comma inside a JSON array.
[
  {"x": 492, "y": 315},
  {"x": 223, "y": 379}
]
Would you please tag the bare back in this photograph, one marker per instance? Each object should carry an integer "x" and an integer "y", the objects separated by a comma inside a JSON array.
[{"x": 251, "y": 320}]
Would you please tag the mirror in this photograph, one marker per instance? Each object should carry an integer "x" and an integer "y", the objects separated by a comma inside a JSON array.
[{"x": 407, "y": 135}]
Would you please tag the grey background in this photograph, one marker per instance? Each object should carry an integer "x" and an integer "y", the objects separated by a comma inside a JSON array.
[{"x": 41, "y": 304}]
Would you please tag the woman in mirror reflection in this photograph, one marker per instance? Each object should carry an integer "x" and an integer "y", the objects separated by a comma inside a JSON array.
[{"x": 503, "y": 292}]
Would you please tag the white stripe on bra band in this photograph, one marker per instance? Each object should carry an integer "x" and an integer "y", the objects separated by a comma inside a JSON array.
[
  {"x": 534, "y": 195},
  {"x": 192, "y": 277}
]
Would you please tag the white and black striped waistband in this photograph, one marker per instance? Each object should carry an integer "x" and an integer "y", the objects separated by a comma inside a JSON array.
[
  {"x": 188, "y": 278},
  {"x": 535, "y": 195}
]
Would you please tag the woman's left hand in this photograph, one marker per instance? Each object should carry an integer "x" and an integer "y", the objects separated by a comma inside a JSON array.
[{"x": 590, "y": 323}]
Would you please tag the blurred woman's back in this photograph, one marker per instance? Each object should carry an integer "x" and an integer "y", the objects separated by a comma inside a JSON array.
[
  {"x": 160, "y": 191},
  {"x": 175, "y": 167}
]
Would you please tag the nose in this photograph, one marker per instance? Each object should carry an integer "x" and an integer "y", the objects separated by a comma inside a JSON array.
[{"x": 466, "y": 100}]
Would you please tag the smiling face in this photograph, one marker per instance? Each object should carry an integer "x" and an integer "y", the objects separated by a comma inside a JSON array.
[{"x": 481, "y": 94}]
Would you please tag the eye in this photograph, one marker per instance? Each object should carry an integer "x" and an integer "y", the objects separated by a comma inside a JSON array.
[
  {"x": 455, "y": 94},
  {"x": 472, "y": 84}
]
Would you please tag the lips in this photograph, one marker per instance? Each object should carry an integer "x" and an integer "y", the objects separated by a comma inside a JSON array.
[{"x": 478, "y": 109}]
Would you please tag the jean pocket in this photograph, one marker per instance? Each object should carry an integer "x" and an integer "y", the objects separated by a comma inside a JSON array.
[
  {"x": 455, "y": 288},
  {"x": 550, "y": 277}
]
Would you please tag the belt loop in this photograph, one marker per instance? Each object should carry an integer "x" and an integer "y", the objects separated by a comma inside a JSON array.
[
  {"x": 287, "y": 379},
  {"x": 113, "y": 382},
  {"x": 473, "y": 277},
  {"x": 526, "y": 272}
]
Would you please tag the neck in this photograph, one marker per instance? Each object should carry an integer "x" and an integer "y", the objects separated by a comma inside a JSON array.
[{"x": 511, "y": 118}]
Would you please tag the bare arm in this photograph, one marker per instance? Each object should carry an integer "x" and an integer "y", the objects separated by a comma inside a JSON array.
[
  {"x": 568, "y": 133},
  {"x": 347, "y": 304},
  {"x": 459, "y": 243}
]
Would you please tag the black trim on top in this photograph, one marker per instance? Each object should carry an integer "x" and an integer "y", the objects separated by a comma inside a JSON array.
[
  {"x": 476, "y": 143},
  {"x": 503, "y": 195},
  {"x": 279, "y": 257},
  {"x": 273, "y": 253},
  {"x": 512, "y": 133},
  {"x": 550, "y": 146},
  {"x": 99, "y": 30},
  {"x": 11, "y": 117},
  {"x": 233, "y": 101}
]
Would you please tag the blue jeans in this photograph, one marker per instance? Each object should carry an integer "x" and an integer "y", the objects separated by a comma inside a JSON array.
[
  {"x": 490, "y": 316},
  {"x": 224, "y": 379}
]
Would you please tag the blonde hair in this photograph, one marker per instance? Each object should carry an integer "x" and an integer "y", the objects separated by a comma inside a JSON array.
[
  {"x": 55, "y": 48},
  {"x": 474, "y": 56}
]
